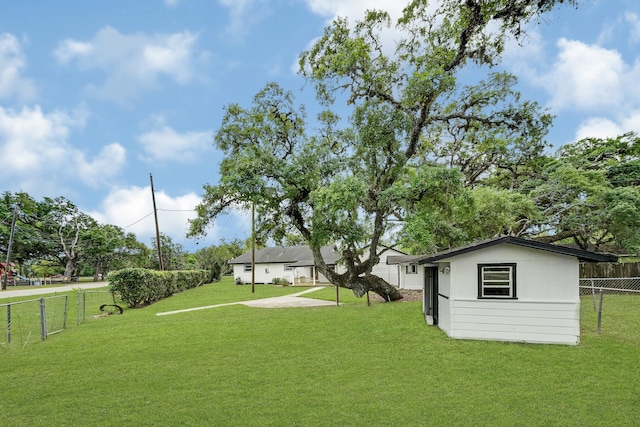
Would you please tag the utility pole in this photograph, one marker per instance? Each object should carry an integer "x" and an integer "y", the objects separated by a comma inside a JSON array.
[
  {"x": 155, "y": 213},
  {"x": 6, "y": 266},
  {"x": 253, "y": 248}
]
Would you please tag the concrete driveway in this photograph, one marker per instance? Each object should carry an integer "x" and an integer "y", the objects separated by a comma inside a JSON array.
[
  {"x": 41, "y": 290},
  {"x": 285, "y": 301}
]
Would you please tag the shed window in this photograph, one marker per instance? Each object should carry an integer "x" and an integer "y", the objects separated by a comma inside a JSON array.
[
  {"x": 287, "y": 267},
  {"x": 247, "y": 268},
  {"x": 412, "y": 269},
  {"x": 496, "y": 281}
]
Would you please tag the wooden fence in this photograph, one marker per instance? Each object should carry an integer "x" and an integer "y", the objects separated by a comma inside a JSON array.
[{"x": 610, "y": 269}]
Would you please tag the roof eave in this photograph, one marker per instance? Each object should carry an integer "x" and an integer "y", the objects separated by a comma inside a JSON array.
[{"x": 582, "y": 255}]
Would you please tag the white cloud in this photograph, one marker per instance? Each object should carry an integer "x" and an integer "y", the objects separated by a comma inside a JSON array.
[
  {"x": 601, "y": 127},
  {"x": 133, "y": 63},
  {"x": 69, "y": 49},
  {"x": 104, "y": 166},
  {"x": 39, "y": 157},
  {"x": 631, "y": 121},
  {"x": 634, "y": 22},
  {"x": 171, "y": 3},
  {"x": 524, "y": 56},
  {"x": 132, "y": 209},
  {"x": 587, "y": 77},
  {"x": 12, "y": 64},
  {"x": 598, "y": 127},
  {"x": 164, "y": 143},
  {"x": 353, "y": 9},
  {"x": 244, "y": 14}
]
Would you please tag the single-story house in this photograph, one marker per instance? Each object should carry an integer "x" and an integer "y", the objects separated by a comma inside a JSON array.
[
  {"x": 296, "y": 265},
  {"x": 506, "y": 289}
]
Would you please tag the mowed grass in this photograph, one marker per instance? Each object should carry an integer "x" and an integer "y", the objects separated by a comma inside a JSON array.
[{"x": 324, "y": 366}]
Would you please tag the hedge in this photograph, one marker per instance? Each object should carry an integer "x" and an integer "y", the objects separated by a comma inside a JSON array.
[{"x": 138, "y": 287}]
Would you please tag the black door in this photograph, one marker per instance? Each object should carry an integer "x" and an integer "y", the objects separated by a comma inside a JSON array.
[{"x": 430, "y": 294}]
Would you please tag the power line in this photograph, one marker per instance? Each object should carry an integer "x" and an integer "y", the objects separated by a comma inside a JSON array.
[{"x": 144, "y": 217}]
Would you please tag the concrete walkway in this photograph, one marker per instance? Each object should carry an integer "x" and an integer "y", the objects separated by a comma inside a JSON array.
[
  {"x": 285, "y": 301},
  {"x": 41, "y": 290}
]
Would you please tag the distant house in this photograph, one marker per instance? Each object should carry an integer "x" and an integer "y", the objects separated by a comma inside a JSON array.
[
  {"x": 296, "y": 265},
  {"x": 507, "y": 289}
]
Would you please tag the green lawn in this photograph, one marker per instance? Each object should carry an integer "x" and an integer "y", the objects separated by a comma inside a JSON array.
[{"x": 325, "y": 366}]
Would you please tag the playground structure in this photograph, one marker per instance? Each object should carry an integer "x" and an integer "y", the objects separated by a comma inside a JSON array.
[
  {"x": 16, "y": 279},
  {"x": 10, "y": 271}
]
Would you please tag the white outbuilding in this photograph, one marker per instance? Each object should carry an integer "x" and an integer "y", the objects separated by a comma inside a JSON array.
[{"x": 506, "y": 289}]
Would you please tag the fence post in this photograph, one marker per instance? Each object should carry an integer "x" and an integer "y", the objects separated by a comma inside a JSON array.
[
  {"x": 600, "y": 311},
  {"x": 8, "y": 323},
  {"x": 64, "y": 319},
  {"x": 84, "y": 306},
  {"x": 43, "y": 320}
]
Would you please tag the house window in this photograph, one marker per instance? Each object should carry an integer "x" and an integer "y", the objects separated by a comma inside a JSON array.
[
  {"x": 287, "y": 267},
  {"x": 497, "y": 281},
  {"x": 247, "y": 268},
  {"x": 412, "y": 269}
]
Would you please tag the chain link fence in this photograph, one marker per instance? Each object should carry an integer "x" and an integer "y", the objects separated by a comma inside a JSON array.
[
  {"x": 614, "y": 285},
  {"x": 90, "y": 303},
  {"x": 597, "y": 287},
  {"x": 33, "y": 320}
]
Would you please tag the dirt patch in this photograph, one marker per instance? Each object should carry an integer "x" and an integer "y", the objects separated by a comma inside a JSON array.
[{"x": 408, "y": 295}]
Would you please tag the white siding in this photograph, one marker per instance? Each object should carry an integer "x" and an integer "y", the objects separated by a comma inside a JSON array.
[
  {"x": 444, "y": 279},
  {"x": 390, "y": 273},
  {"x": 536, "y": 322},
  {"x": 411, "y": 281},
  {"x": 265, "y": 273},
  {"x": 546, "y": 309},
  {"x": 444, "y": 315}
]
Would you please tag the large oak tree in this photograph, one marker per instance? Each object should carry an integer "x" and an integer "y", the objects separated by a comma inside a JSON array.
[{"x": 410, "y": 110}]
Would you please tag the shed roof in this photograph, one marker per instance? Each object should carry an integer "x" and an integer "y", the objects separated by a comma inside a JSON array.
[
  {"x": 582, "y": 255},
  {"x": 299, "y": 255}
]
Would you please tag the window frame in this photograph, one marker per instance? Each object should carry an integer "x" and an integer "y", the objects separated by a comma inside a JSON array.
[
  {"x": 247, "y": 268},
  {"x": 496, "y": 283},
  {"x": 411, "y": 269}
]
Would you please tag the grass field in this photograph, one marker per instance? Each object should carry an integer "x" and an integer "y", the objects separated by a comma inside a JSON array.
[{"x": 325, "y": 366}]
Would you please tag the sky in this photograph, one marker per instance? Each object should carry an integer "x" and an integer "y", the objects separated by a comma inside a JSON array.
[{"x": 98, "y": 97}]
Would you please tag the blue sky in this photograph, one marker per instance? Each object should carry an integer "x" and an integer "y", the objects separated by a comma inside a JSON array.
[{"x": 95, "y": 96}]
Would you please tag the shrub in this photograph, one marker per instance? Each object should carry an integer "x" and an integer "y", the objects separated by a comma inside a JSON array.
[
  {"x": 279, "y": 281},
  {"x": 138, "y": 287}
]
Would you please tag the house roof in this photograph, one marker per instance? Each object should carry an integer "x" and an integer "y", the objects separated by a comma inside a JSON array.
[
  {"x": 404, "y": 259},
  {"x": 582, "y": 255},
  {"x": 297, "y": 256}
]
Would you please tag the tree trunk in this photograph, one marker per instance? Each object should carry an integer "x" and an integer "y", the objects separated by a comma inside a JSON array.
[
  {"x": 68, "y": 270},
  {"x": 360, "y": 285},
  {"x": 96, "y": 273}
]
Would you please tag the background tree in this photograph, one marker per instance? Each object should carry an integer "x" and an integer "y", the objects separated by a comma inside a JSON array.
[
  {"x": 343, "y": 186},
  {"x": 173, "y": 254},
  {"x": 71, "y": 228},
  {"x": 589, "y": 193},
  {"x": 215, "y": 258},
  {"x": 109, "y": 246},
  {"x": 454, "y": 214},
  {"x": 30, "y": 241},
  {"x": 54, "y": 235}
]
